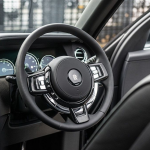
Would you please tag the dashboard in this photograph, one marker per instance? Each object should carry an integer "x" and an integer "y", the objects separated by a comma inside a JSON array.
[{"x": 42, "y": 51}]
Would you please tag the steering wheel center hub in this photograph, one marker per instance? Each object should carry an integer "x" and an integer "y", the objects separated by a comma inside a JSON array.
[{"x": 71, "y": 79}]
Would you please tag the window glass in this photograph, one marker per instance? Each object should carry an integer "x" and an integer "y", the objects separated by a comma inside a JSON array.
[
  {"x": 128, "y": 12},
  {"x": 27, "y": 15}
]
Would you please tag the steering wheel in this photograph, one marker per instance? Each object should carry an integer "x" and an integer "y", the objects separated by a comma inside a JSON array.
[{"x": 66, "y": 83}]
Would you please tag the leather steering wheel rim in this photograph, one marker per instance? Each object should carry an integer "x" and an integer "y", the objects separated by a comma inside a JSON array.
[{"x": 21, "y": 77}]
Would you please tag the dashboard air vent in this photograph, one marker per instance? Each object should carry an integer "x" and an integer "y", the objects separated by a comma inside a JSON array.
[{"x": 81, "y": 54}]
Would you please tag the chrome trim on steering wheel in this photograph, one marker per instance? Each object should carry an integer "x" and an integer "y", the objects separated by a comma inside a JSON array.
[{"x": 78, "y": 110}]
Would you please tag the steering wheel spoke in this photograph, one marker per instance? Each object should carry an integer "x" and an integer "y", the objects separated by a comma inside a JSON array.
[
  {"x": 36, "y": 83},
  {"x": 80, "y": 114},
  {"x": 99, "y": 72}
]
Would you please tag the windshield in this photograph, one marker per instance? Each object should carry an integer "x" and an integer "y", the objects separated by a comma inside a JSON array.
[{"x": 24, "y": 16}]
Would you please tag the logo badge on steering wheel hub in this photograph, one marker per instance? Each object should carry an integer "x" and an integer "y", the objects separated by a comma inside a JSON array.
[{"x": 74, "y": 76}]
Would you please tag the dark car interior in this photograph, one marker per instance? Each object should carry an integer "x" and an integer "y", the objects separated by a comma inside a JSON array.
[{"x": 60, "y": 90}]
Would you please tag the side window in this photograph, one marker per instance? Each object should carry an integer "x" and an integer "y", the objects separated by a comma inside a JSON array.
[{"x": 128, "y": 12}]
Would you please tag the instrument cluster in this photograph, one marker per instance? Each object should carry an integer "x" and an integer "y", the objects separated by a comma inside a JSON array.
[{"x": 31, "y": 64}]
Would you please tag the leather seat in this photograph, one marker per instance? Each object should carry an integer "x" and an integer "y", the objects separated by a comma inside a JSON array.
[{"x": 123, "y": 126}]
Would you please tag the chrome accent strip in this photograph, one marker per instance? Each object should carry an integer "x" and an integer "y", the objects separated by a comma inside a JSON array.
[{"x": 78, "y": 110}]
